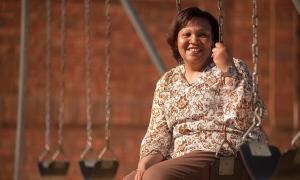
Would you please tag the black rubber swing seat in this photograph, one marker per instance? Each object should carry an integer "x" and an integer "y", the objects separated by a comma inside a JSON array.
[
  {"x": 259, "y": 167},
  {"x": 100, "y": 169},
  {"x": 288, "y": 166},
  {"x": 53, "y": 168}
]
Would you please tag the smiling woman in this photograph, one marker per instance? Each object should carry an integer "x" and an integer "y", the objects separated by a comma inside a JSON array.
[
  {"x": 207, "y": 94},
  {"x": 195, "y": 43}
]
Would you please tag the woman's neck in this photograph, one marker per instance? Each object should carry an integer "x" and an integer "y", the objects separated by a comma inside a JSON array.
[{"x": 192, "y": 72}]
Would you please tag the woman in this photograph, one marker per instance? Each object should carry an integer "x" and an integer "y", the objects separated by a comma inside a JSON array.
[{"x": 193, "y": 103}]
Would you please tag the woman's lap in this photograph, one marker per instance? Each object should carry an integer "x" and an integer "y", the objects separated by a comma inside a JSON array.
[{"x": 192, "y": 166}]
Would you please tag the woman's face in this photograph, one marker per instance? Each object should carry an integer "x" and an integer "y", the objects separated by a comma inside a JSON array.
[{"x": 194, "y": 42}]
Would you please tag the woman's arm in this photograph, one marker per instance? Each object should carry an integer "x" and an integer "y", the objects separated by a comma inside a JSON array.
[
  {"x": 158, "y": 136},
  {"x": 156, "y": 142},
  {"x": 238, "y": 99}
]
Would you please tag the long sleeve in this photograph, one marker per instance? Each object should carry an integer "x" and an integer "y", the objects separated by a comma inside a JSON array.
[
  {"x": 158, "y": 136},
  {"x": 238, "y": 99}
]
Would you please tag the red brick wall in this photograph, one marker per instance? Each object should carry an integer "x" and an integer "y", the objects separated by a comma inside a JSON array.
[{"x": 133, "y": 73}]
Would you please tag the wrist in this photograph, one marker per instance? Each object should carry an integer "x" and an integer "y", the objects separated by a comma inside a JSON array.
[
  {"x": 230, "y": 71},
  {"x": 141, "y": 167},
  {"x": 149, "y": 160}
]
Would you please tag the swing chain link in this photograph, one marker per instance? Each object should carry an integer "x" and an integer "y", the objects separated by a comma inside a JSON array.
[
  {"x": 257, "y": 109},
  {"x": 62, "y": 72},
  {"x": 221, "y": 20},
  {"x": 255, "y": 50},
  {"x": 88, "y": 72},
  {"x": 107, "y": 74},
  {"x": 255, "y": 55},
  {"x": 178, "y": 5},
  {"x": 48, "y": 74}
]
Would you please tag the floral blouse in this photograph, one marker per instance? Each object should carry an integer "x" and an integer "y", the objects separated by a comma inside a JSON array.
[{"x": 187, "y": 117}]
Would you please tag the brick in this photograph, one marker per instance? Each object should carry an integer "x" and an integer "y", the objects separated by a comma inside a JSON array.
[{"x": 133, "y": 74}]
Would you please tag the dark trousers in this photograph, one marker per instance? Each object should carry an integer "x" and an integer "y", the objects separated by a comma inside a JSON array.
[{"x": 192, "y": 166}]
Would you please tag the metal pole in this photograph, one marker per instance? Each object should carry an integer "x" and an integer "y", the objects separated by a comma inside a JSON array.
[
  {"x": 22, "y": 87},
  {"x": 138, "y": 25}
]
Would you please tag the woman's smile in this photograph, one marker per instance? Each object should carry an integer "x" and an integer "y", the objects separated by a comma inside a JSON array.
[{"x": 194, "y": 50}]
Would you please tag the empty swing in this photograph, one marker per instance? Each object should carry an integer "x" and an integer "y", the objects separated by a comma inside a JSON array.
[
  {"x": 289, "y": 164},
  {"x": 57, "y": 165},
  {"x": 105, "y": 165},
  {"x": 259, "y": 158}
]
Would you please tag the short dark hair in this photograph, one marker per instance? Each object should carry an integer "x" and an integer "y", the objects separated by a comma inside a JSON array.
[{"x": 183, "y": 17}]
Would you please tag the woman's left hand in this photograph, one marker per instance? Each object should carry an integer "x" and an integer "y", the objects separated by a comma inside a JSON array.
[
  {"x": 139, "y": 174},
  {"x": 221, "y": 57}
]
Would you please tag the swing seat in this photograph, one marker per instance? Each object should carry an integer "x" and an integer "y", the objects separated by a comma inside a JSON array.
[
  {"x": 226, "y": 168},
  {"x": 53, "y": 168},
  {"x": 99, "y": 169},
  {"x": 259, "y": 167},
  {"x": 288, "y": 166}
]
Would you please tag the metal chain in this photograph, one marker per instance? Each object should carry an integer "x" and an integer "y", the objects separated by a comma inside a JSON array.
[
  {"x": 218, "y": 90},
  {"x": 62, "y": 72},
  {"x": 178, "y": 5},
  {"x": 255, "y": 50},
  {"x": 88, "y": 72},
  {"x": 258, "y": 110},
  {"x": 107, "y": 74},
  {"x": 48, "y": 74},
  {"x": 221, "y": 19}
]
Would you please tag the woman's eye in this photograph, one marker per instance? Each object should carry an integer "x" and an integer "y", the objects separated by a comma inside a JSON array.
[
  {"x": 202, "y": 35},
  {"x": 186, "y": 34}
]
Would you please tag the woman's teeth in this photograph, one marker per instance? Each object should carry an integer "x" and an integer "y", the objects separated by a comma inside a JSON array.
[{"x": 194, "y": 49}]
